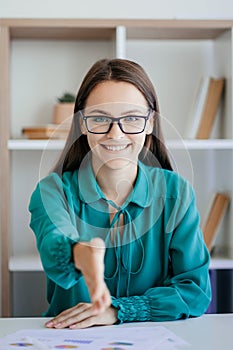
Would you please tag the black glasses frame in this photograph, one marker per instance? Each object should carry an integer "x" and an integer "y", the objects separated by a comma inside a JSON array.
[{"x": 118, "y": 121}]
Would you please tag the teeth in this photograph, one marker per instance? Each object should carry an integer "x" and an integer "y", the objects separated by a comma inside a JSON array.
[{"x": 115, "y": 148}]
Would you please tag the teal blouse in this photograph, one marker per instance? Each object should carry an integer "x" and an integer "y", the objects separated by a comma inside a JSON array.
[{"x": 156, "y": 270}]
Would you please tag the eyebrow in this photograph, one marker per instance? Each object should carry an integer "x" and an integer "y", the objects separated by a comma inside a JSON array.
[{"x": 108, "y": 114}]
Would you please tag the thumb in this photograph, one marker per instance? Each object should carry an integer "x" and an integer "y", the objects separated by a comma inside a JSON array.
[{"x": 98, "y": 244}]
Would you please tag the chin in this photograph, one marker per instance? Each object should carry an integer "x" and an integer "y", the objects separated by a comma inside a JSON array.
[{"x": 118, "y": 164}]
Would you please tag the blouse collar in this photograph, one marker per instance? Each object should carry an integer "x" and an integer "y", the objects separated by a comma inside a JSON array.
[{"x": 90, "y": 191}]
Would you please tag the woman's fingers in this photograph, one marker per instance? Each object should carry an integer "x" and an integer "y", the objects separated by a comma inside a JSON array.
[
  {"x": 103, "y": 302},
  {"x": 98, "y": 243},
  {"x": 99, "y": 291}
]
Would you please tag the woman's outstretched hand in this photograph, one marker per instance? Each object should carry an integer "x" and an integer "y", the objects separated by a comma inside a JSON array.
[{"x": 89, "y": 259}]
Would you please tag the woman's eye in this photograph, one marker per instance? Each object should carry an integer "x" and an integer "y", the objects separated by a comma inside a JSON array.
[
  {"x": 100, "y": 119},
  {"x": 131, "y": 118}
]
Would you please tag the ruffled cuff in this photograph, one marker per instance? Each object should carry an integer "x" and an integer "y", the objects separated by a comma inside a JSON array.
[
  {"x": 57, "y": 260},
  {"x": 132, "y": 309}
]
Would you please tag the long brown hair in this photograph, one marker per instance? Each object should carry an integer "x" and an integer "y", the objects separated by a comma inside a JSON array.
[{"x": 154, "y": 152}]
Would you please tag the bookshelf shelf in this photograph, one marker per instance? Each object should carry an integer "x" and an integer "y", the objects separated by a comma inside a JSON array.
[
  {"x": 215, "y": 144},
  {"x": 40, "y": 145},
  {"x": 221, "y": 264},
  {"x": 31, "y": 262},
  {"x": 221, "y": 144},
  {"x": 27, "y": 262},
  {"x": 104, "y": 28}
]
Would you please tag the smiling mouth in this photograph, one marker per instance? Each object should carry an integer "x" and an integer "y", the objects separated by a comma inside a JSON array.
[{"x": 115, "y": 148}]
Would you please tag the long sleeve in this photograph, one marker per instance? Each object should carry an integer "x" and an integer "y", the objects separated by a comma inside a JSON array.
[
  {"x": 52, "y": 221},
  {"x": 186, "y": 290}
]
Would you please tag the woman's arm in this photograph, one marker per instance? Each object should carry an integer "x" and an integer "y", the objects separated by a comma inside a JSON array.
[
  {"x": 186, "y": 292},
  {"x": 55, "y": 231},
  {"x": 64, "y": 260},
  {"x": 179, "y": 299}
]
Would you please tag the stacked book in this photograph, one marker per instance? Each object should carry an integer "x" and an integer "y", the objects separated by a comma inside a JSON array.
[{"x": 48, "y": 131}]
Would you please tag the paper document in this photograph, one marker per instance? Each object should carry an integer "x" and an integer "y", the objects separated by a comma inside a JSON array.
[{"x": 95, "y": 338}]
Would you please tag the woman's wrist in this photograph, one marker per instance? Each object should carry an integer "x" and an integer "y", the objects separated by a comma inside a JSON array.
[{"x": 114, "y": 314}]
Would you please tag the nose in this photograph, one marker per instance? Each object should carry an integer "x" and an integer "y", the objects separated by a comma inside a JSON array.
[{"x": 115, "y": 131}]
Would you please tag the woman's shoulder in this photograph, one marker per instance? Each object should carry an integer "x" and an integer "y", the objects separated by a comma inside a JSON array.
[
  {"x": 55, "y": 181},
  {"x": 169, "y": 183},
  {"x": 158, "y": 173}
]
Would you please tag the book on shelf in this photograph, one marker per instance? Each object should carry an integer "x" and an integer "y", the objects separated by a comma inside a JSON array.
[
  {"x": 48, "y": 131},
  {"x": 204, "y": 108},
  {"x": 214, "y": 218}
]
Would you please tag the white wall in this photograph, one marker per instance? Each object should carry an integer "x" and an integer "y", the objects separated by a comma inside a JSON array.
[{"x": 117, "y": 9}]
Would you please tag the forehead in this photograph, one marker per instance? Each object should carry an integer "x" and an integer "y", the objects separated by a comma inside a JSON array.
[
  {"x": 116, "y": 109},
  {"x": 115, "y": 92}
]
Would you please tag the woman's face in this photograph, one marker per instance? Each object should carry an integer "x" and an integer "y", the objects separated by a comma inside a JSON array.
[{"x": 116, "y": 149}]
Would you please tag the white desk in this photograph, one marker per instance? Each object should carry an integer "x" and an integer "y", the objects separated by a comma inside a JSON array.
[{"x": 208, "y": 332}]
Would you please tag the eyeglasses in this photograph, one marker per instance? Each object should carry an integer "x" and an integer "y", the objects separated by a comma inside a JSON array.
[{"x": 102, "y": 124}]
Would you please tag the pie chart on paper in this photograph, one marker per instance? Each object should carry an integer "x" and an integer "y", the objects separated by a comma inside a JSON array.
[
  {"x": 21, "y": 344},
  {"x": 65, "y": 346}
]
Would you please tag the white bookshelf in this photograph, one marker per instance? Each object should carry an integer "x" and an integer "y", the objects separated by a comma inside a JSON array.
[{"x": 175, "y": 53}]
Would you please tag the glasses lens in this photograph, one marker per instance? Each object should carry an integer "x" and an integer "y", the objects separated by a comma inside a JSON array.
[
  {"x": 98, "y": 124},
  {"x": 133, "y": 124}
]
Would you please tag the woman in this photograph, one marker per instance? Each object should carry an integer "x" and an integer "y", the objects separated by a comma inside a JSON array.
[{"x": 117, "y": 230}]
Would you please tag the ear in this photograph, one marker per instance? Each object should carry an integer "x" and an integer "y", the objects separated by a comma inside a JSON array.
[{"x": 150, "y": 125}]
